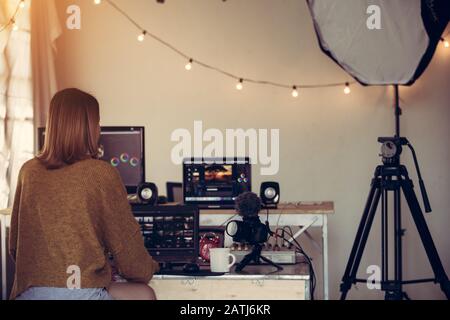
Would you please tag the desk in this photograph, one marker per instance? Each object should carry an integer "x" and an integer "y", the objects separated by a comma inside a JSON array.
[
  {"x": 299, "y": 214},
  {"x": 304, "y": 214},
  {"x": 256, "y": 283}
]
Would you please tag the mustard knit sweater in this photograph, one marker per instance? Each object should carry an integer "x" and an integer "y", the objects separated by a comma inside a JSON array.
[{"x": 72, "y": 217}]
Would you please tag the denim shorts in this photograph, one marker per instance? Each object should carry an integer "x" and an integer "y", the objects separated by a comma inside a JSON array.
[{"x": 41, "y": 293}]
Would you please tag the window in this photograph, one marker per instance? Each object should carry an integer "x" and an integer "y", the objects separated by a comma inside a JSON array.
[{"x": 16, "y": 96}]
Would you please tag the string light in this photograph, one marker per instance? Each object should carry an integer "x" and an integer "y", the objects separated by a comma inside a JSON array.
[
  {"x": 347, "y": 89},
  {"x": 189, "y": 65},
  {"x": 12, "y": 21},
  {"x": 294, "y": 92},
  {"x": 240, "y": 85},
  {"x": 141, "y": 37},
  {"x": 97, "y": 2},
  {"x": 445, "y": 42},
  {"x": 15, "y": 27}
]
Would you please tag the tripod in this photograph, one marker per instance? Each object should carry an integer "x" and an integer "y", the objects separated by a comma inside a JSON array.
[
  {"x": 393, "y": 178},
  {"x": 256, "y": 257}
]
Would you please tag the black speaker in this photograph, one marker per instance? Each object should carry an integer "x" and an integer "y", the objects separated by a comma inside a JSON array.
[
  {"x": 270, "y": 194},
  {"x": 148, "y": 193}
]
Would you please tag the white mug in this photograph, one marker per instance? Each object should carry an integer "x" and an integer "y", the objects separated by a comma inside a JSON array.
[{"x": 220, "y": 259}]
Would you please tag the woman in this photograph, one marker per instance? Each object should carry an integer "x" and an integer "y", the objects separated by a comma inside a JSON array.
[{"x": 71, "y": 211}]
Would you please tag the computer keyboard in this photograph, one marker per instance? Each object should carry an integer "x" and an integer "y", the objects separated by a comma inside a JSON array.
[{"x": 180, "y": 272}]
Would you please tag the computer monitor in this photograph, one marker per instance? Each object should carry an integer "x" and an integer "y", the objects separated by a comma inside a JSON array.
[
  {"x": 215, "y": 183},
  {"x": 123, "y": 148},
  {"x": 171, "y": 233}
]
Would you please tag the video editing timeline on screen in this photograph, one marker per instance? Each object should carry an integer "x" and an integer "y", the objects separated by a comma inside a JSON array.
[
  {"x": 170, "y": 233},
  {"x": 215, "y": 182}
]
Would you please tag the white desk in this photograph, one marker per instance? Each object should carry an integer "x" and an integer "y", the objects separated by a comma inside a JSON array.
[
  {"x": 304, "y": 214},
  {"x": 256, "y": 283},
  {"x": 300, "y": 214}
]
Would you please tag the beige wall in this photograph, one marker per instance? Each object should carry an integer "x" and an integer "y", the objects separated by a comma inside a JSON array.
[{"x": 328, "y": 140}]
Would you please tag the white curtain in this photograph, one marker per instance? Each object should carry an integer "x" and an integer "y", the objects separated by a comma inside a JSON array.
[
  {"x": 46, "y": 29},
  {"x": 16, "y": 98},
  {"x": 26, "y": 65}
]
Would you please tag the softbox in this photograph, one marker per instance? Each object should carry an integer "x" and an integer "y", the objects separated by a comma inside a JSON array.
[{"x": 380, "y": 42}]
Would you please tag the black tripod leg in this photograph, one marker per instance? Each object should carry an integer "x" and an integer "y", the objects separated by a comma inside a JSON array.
[
  {"x": 247, "y": 259},
  {"x": 425, "y": 236},
  {"x": 361, "y": 238}
]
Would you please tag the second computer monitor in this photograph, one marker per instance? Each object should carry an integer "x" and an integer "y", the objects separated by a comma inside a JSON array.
[{"x": 123, "y": 148}]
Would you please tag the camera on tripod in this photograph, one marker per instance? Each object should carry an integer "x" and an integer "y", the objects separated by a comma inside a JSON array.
[{"x": 250, "y": 230}]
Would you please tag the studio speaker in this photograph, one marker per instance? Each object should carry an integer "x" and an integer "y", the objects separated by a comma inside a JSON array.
[
  {"x": 148, "y": 193},
  {"x": 270, "y": 194}
]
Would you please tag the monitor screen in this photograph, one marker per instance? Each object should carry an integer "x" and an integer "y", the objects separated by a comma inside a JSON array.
[
  {"x": 123, "y": 148},
  {"x": 170, "y": 232},
  {"x": 215, "y": 183}
]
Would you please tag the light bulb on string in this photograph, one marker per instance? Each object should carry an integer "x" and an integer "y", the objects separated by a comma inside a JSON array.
[
  {"x": 97, "y": 2},
  {"x": 188, "y": 66},
  {"x": 15, "y": 27},
  {"x": 141, "y": 37},
  {"x": 22, "y": 4},
  {"x": 294, "y": 92},
  {"x": 445, "y": 42},
  {"x": 347, "y": 89},
  {"x": 240, "y": 85}
]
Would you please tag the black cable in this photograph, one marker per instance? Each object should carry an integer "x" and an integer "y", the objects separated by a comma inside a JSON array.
[
  {"x": 301, "y": 251},
  {"x": 313, "y": 278},
  {"x": 291, "y": 234},
  {"x": 276, "y": 235}
]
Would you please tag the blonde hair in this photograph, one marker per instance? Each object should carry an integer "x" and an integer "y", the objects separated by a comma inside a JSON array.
[{"x": 73, "y": 129}]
